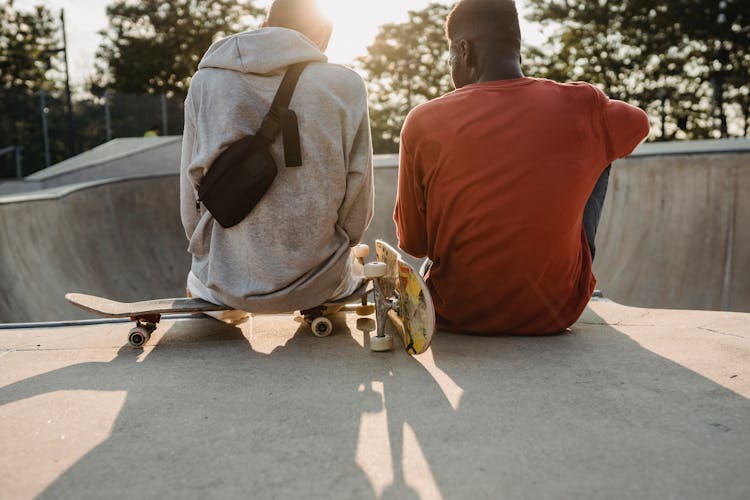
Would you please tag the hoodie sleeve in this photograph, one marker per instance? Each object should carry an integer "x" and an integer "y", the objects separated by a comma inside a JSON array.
[
  {"x": 357, "y": 209},
  {"x": 189, "y": 213}
]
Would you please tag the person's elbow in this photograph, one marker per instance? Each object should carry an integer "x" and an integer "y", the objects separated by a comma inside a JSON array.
[
  {"x": 633, "y": 127},
  {"x": 642, "y": 128}
]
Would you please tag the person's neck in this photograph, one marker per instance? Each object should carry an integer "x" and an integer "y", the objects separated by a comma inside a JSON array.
[{"x": 493, "y": 69}]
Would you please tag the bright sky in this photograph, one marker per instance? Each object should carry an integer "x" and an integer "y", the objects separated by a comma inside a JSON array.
[{"x": 354, "y": 29}]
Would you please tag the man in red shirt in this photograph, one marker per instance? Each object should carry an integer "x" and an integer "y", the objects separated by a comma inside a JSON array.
[{"x": 500, "y": 181}]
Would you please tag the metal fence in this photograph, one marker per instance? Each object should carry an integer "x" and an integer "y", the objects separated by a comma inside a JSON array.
[{"x": 36, "y": 132}]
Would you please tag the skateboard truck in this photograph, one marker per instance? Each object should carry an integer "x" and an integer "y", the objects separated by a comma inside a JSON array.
[
  {"x": 145, "y": 326},
  {"x": 316, "y": 317},
  {"x": 381, "y": 342},
  {"x": 361, "y": 252}
]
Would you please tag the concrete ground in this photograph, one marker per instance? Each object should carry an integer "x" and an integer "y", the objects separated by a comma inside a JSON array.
[{"x": 632, "y": 404}]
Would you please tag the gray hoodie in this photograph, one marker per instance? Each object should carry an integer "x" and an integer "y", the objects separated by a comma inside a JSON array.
[{"x": 293, "y": 250}]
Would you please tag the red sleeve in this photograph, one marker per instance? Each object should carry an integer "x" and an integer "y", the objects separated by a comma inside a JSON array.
[
  {"x": 410, "y": 212},
  {"x": 625, "y": 127}
]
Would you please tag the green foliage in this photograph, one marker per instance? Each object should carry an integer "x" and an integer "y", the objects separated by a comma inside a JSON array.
[
  {"x": 154, "y": 46},
  {"x": 406, "y": 65},
  {"x": 29, "y": 62},
  {"x": 28, "y": 43},
  {"x": 679, "y": 58}
]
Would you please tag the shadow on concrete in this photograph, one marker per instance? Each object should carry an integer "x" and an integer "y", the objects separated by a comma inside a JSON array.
[{"x": 588, "y": 414}]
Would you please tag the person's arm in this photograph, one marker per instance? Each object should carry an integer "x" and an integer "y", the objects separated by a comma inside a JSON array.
[
  {"x": 410, "y": 212},
  {"x": 357, "y": 209},
  {"x": 188, "y": 197},
  {"x": 625, "y": 127}
]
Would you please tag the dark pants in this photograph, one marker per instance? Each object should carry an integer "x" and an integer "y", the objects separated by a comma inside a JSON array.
[
  {"x": 593, "y": 211},
  {"x": 591, "y": 215}
]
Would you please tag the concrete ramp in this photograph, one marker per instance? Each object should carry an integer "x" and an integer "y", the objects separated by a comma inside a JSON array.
[
  {"x": 121, "y": 239},
  {"x": 674, "y": 234},
  {"x": 118, "y": 158}
]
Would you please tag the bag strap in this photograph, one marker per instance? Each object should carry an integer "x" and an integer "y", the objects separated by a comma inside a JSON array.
[
  {"x": 282, "y": 119},
  {"x": 288, "y": 84}
]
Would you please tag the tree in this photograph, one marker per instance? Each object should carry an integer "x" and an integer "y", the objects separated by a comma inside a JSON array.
[
  {"x": 713, "y": 40},
  {"x": 155, "y": 47},
  {"x": 676, "y": 58},
  {"x": 406, "y": 65},
  {"x": 29, "y": 42}
]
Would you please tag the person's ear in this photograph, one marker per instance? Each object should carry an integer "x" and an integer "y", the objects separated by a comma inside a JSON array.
[{"x": 467, "y": 53}]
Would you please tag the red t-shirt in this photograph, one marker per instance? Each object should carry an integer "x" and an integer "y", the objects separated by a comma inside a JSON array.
[{"x": 493, "y": 181}]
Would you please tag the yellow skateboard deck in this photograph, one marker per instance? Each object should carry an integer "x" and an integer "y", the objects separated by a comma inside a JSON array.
[{"x": 403, "y": 298}]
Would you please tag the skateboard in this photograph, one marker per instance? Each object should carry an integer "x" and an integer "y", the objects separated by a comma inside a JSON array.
[
  {"x": 146, "y": 314},
  {"x": 401, "y": 299}
]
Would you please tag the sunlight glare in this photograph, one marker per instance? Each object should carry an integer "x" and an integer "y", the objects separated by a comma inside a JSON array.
[
  {"x": 353, "y": 27},
  {"x": 342, "y": 11},
  {"x": 356, "y": 23}
]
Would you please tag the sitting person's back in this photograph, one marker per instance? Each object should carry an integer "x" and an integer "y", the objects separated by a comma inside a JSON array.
[
  {"x": 293, "y": 250},
  {"x": 494, "y": 181}
]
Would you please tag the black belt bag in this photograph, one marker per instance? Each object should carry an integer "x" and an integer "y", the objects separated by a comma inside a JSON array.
[{"x": 242, "y": 174}]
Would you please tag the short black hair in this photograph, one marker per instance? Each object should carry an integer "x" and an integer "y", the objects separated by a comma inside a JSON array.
[{"x": 497, "y": 19}]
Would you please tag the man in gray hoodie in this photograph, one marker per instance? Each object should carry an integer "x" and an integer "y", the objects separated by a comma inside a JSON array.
[{"x": 292, "y": 252}]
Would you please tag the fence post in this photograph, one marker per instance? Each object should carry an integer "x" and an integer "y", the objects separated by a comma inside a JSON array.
[
  {"x": 45, "y": 129},
  {"x": 19, "y": 162},
  {"x": 107, "y": 116},
  {"x": 164, "y": 120}
]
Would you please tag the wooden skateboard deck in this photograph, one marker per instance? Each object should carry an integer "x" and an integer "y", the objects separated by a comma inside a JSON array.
[
  {"x": 114, "y": 309},
  {"x": 148, "y": 313},
  {"x": 405, "y": 300}
]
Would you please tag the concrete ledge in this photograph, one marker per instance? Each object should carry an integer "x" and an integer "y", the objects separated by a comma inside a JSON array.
[
  {"x": 57, "y": 193},
  {"x": 719, "y": 146},
  {"x": 116, "y": 149},
  {"x": 735, "y": 145},
  {"x": 129, "y": 157}
]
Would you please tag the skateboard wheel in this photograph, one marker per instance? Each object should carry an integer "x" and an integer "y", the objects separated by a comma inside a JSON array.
[
  {"x": 138, "y": 336},
  {"x": 365, "y": 310},
  {"x": 321, "y": 327},
  {"x": 361, "y": 251},
  {"x": 381, "y": 344},
  {"x": 375, "y": 269}
]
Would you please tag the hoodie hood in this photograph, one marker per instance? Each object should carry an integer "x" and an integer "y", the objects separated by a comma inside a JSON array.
[{"x": 263, "y": 51}]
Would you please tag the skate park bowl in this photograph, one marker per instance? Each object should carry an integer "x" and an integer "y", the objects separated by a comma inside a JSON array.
[{"x": 673, "y": 234}]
